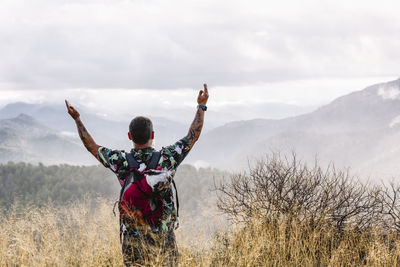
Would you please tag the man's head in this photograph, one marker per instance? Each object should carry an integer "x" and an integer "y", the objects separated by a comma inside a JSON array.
[{"x": 141, "y": 130}]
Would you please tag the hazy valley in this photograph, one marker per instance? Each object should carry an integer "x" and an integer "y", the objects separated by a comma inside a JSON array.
[{"x": 359, "y": 130}]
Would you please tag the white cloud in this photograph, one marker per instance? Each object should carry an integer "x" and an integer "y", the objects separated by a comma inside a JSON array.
[
  {"x": 56, "y": 44},
  {"x": 391, "y": 93},
  {"x": 395, "y": 121}
]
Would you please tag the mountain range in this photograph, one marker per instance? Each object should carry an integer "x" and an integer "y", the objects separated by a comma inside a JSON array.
[
  {"x": 49, "y": 135},
  {"x": 359, "y": 130},
  {"x": 23, "y": 138}
]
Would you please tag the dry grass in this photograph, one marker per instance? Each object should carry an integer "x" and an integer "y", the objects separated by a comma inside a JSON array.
[
  {"x": 297, "y": 244},
  {"x": 81, "y": 234},
  {"x": 87, "y": 234}
]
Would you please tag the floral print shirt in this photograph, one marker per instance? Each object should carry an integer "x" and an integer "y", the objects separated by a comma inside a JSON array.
[{"x": 171, "y": 157}]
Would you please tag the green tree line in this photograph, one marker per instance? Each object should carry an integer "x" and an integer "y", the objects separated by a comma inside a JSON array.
[{"x": 60, "y": 184}]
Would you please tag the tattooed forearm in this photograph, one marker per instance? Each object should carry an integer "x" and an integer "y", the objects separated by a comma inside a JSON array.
[
  {"x": 87, "y": 139},
  {"x": 196, "y": 127}
]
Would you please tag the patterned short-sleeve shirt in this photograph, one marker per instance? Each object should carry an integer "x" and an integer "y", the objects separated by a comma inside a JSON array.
[{"x": 171, "y": 157}]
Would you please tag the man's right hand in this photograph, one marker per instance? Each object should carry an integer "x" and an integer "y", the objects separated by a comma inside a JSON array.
[
  {"x": 203, "y": 96},
  {"x": 72, "y": 111}
]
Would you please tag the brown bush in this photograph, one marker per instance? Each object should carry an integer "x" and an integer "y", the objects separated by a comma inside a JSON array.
[{"x": 280, "y": 188}]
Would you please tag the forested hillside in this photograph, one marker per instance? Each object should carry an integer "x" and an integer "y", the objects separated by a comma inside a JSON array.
[{"x": 39, "y": 185}]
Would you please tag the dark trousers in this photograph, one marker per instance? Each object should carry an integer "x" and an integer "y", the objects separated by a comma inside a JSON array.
[{"x": 147, "y": 248}]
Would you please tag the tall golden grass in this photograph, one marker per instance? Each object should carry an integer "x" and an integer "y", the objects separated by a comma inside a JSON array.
[
  {"x": 80, "y": 234},
  {"x": 297, "y": 244},
  {"x": 87, "y": 234}
]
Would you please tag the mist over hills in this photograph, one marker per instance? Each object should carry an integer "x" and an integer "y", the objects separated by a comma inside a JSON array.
[
  {"x": 23, "y": 138},
  {"x": 359, "y": 130},
  {"x": 107, "y": 131},
  {"x": 111, "y": 132}
]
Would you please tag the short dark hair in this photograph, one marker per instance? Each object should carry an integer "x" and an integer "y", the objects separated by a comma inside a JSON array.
[{"x": 141, "y": 129}]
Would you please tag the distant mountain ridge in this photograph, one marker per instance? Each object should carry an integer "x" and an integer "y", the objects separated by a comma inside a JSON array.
[
  {"x": 359, "y": 130},
  {"x": 110, "y": 132},
  {"x": 23, "y": 138},
  {"x": 48, "y": 134},
  {"x": 334, "y": 133}
]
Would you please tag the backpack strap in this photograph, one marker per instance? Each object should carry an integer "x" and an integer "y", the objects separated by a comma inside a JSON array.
[
  {"x": 177, "y": 199},
  {"x": 132, "y": 162},
  {"x": 155, "y": 158}
]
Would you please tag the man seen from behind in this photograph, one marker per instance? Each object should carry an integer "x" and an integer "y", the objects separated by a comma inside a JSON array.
[{"x": 148, "y": 216}]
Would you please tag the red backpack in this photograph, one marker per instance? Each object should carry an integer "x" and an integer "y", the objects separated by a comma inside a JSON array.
[{"x": 138, "y": 204}]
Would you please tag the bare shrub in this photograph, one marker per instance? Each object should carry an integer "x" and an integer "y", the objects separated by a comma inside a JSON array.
[
  {"x": 390, "y": 199},
  {"x": 280, "y": 188}
]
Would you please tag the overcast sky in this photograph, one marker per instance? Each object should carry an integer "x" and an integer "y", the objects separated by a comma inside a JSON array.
[{"x": 120, "y": 52}]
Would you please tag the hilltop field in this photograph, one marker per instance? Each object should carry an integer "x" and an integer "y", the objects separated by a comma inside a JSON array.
[{"x": 280, "y": 212}]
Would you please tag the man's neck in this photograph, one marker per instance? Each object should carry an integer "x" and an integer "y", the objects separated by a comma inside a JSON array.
[{"x": 137, "y": 147}]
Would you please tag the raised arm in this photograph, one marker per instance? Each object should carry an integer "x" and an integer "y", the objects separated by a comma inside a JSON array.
[
  {"x": 87, "y": 140},
  {"x": 197, "y": 124}
]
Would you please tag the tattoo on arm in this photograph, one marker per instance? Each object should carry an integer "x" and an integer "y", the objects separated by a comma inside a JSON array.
[
  {"x": 196, "y": 127},
  {"x": 87, "y": 139}
]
